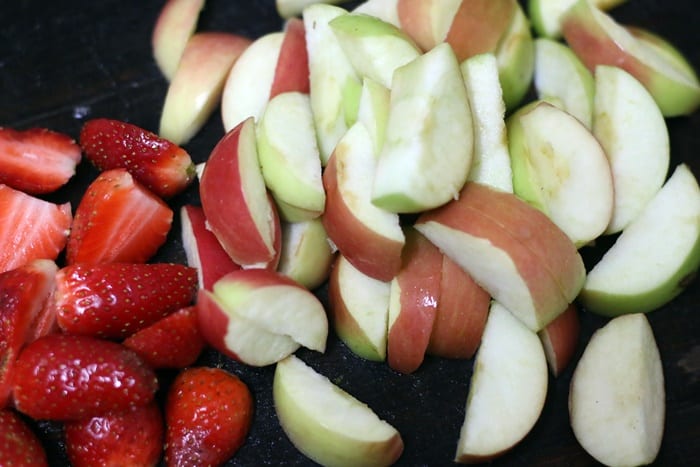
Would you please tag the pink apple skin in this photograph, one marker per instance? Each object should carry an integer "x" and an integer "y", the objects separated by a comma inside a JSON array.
[
  {"x": 203, "y": 249},
  {"x": 370, "y": 252},
  {"x": 415, "y": 20},
  {"x": 292, "y": 70},
  {"x": 419, "y": 281},
  {"x": 213, "y": 323},
  {"x": 560, "y": 339},
  {"x": 176, "y": 22},
  {"x": 227, "y": 210},
  {"x": 461, "y": 314}
]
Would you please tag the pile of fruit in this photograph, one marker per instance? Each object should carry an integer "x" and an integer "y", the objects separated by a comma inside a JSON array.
[{"x": 389, "y": 154}]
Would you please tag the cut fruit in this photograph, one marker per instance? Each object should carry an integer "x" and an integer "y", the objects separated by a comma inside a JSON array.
[{"x": 306, "y": 255}]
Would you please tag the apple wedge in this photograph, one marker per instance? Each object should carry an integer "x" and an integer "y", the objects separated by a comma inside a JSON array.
[
  {"x": 292, "y": 68},
  {"x": 198, "y": 82},
  {"x": 429, "y": 142},
  {"x": 630, "y": 127},
  {"x": 617, "y": 398},
  {"x": 359, "y": 319},
  {"x": 546, "y": 15},
  {"x": 511, "y": 249},
  {"x": 516, "y": 59},
  {"x": 176, "y": 23},
  {"x": 306, "y": 255},
  {"x": 368, "y": 236},
  {"x": 289, "y": 157},
  {"x": 386, "y": 10},
  {"x": 326, "y": 423},
  {"x": 598, "y": 39},
  {"x": 373, "y": 111},
  {"x": 561, "y": 168},
  {"x": 655, "y": 257},
  {"x": 238, "y": 208},
  {"x": 560, "y": 339},
  {"x": 507, "y": 390},
  {"x": 290, "y": 8}
]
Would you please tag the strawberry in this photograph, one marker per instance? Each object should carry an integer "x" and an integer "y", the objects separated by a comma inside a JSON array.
[
  {"x": 19, "y": 445},
  {"x": 208, "y": 413},
  {"x": 31, "y": 228},
  {"x": 117, "y": 220},
  {"x": 69, "y": 377},
  {"x": 132, "y": 437},
  {"x": 37, "y": 160},
  {"x": 171, "y": 342},
  {"x": 24, "y": 293},
  {"x": 114, "y": 300},
  {"x": 162, "y": 166}
]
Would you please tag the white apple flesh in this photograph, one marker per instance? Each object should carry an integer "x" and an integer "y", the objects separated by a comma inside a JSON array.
[{"x": 306, "y": 255}]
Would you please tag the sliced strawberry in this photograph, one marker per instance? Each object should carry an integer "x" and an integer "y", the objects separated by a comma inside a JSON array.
[
  {"x": 208, "y": 412},
  {"x": 69, "y": 377},
  {"x": 31, "y": 228},
  {"x": 37, "y": 160},
  {"x": 117, "y": 220},
  {"x": 162, "y": 166},
  {"x": 132, "y": 437},
  {"x": 19, "y": 445},
  {"x": 171, "y": 342},
  {"x": 24, "y": 294},
  {"x": 114, "y": 300}
]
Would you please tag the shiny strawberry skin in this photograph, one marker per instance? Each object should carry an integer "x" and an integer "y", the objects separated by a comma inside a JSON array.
[
  {"x": 70, "y": 377},
  {"x": 162, "y": 166},
  {"x": 37, "y": 160},
  {"x": 19, "y": 445},
  {"x": 114, "y": 300},
  {"x": 31, "y": 228},
  {"x": 171, "y": 342},
  {"x": 133, "y": 437},
  {"x": 208, "y": 413},
  {"x": 117, "y": 220}
]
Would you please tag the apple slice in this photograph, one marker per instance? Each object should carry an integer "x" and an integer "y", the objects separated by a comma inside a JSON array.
[
  {"x": 561, "y": 79},
  {"x": 514, "y": 251},
  {"x": 373, "y": 111},
  {"x": 290, "y": 8},
  {"x": 196, "y": 87},
  {"x": 617, "y": 398},
  {"x": 599, "y": 40},
  {"x": 413, "y": 303},
  {"x": 289, "y": 157},
  {"x": 507, "y": 390},
  {"x": 560, "y": 339},
  {"x": 334, "y": 85},
  {"x": 386, "y": 10},
  {"x": 202, "y": 248},
  {"x": 664, "y": 48},
  {"x": 560, "y": 168},
  {"x": 238, "y": 208},
  {"x": 516, "y": 59},
  {"x": 359, "y": 318},
  {"x": 491, "y": 160},
  {"x": 292, "y": 69},
  {"x": 632, "y": 130},
  {"x": 326, "y": 423},
  {"x": 368, "y": 236},
  {"x": 306, "y": 255},
  {"x": 429, "y": 142},
  {"x": 176, "y": 23},
  {"x": 655, "y": 257},
  {"x": 546, "y": 15}
]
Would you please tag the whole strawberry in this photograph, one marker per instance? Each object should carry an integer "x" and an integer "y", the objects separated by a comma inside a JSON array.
[
  {"x": 19, "y": 446},
  {"x": 162, "y": 166},
  {"x": 133, "y": 437},
  {"x": 207, "y": 416},
  {"x": 69, "y": 377},
  {"x": 114, "y": 300}
]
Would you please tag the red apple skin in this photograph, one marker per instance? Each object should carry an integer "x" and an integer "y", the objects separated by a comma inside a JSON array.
[
  {"x": 419, "y": 281},
  {"x": 176, "y": 22},
  {"x": 227, "y": 210},
  {"x": 371, "y": 253},
  {"x": 560, "y": 339},
  {"x": 461, "y": 314},
  {"x": 479, "y": 25},
  {"x": 292, "y": 70},
  {"x": 213, "y": 323},
  {"x": 214, "y": 262}
]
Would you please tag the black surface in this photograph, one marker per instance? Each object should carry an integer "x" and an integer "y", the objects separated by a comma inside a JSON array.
[{"x": 66, "y": 61}]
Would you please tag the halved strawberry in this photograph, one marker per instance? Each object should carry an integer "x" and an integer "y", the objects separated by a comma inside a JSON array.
[
  {"x": 162, "y": 166},
  {"x": 31, "y": 228},
  {"x": 171, "y": 342},
  {"x": 37, "y": 160},
  {"x": 114, "y": 300},
  {"x": 19, "y": 445},
  {"x": 117, "y": 220},
  {"x": 24, "y": 294},
  {"x": 70, "y": 377}
]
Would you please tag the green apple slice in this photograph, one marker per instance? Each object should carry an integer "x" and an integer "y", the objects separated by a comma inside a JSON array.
[
  {"x": 373, "y": 111},
  {"x": 429, "y": 142},
  {"x": 546, "y": 14},
  {"x": 562, "y": 80},
  {"x": 631, "y": 129},
  {"x": 654, "y": 257},
  {"x": 326, "y": 423},
  {"x": 516, "y": 59}
]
